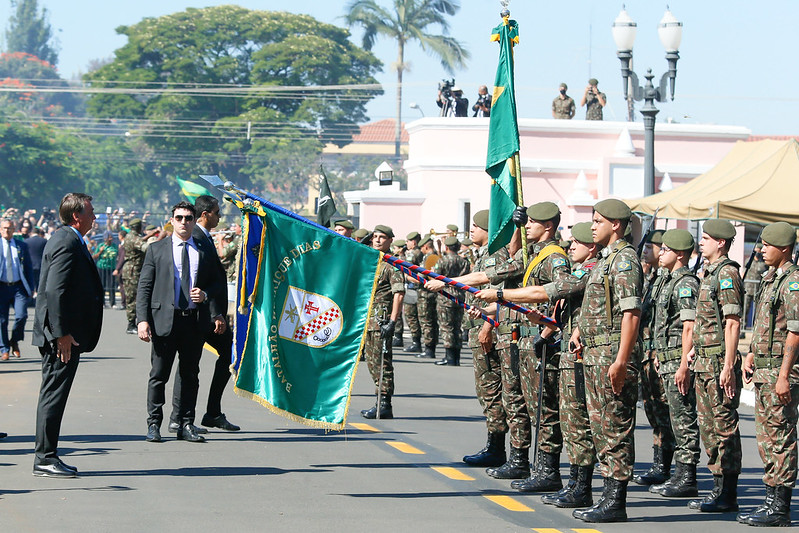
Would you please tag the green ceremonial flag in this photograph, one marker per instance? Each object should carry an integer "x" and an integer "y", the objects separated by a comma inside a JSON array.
[
  {"x": 326, "y": 207},
  {"x": 503, "y": 141},
  {"x": 192, "y": 190},
  {"x": 306, "y": 311}
]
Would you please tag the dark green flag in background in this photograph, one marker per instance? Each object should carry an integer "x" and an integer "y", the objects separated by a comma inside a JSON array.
[{"x": 326, "y": 207}]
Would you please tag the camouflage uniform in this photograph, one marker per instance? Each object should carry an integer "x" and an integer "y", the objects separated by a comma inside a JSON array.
[
  {"x": 612, "y": 416},
  {"x": 720, "y": 295},
  {"x": 390, "y": 282},
  {"x": 228, "y": 258},
  {"x": 450, "y": 314},
  {"x": 574, "y": 421},
  {"x": 675, "y": 302},
  {"x": 134, "y": 246},
  {"x": 593, "y": 109},
  {"x": 751, "y": 283},
  {"x": 563, "y": 108},
  {"x": 410, "y": 310},
  {"x": 775, "y": 423},
  {"x": 487, "y": 366},
  {"x": 553, "y": 268},
  {"x": 426, "y": 310},
  {"x": 653, "y": 394}
]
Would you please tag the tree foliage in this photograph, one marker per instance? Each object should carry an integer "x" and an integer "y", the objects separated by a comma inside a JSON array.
[
  {"x": 30, "y": 32},
  {"x": 22, "y": 70}
]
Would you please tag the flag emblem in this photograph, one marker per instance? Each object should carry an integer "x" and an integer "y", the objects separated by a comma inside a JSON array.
[
  {"x": 310, "y": 319},
  {"x": 793, "y": 286},
  {"x": 685, "y": 292},
  {"x": 726, "y": 283}
]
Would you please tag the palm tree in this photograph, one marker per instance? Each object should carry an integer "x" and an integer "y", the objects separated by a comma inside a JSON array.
[{"x": 408, "y": 21}]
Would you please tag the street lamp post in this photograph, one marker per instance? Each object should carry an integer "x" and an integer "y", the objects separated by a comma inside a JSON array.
[{"x": 670, "y": 33}]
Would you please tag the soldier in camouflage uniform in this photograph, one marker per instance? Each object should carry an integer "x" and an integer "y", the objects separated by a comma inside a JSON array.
[
  {"x": 386, "y": 307},
  {"x": 426, "y": 307},
  {"x": 653, "y": 395},
  {"x": 606, "y": 335},
  {"x": 717, "y": 367},
  {"x": 413, "y": 255},
  {"x": 398, "y": 250},
  {"x": 450, "y": 314},
  {"x": 135, "y": 245},
  {"x": 771, "y": 362},
  {"x": 593, "y": 100},
  {"x": 672, "y": 331},
  {"x": 574, "y": 421},
  {"x": 751, "y": 283},
  {"x": 563, "y": 104}
]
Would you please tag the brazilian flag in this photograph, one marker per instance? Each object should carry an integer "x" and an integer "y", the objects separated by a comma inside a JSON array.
[
  {"x": 192, "y": 190},
  {"x": 303, "y": 299},
  {"x": 503, "y": 141}
]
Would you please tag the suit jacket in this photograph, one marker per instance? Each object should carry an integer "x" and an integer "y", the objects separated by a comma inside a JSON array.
[
  {"x": 155, "y": 299},
  {"x": 71, "y": 296},
  {"x": 202, "y": 240},
  {"x": 25, "y": 265}
]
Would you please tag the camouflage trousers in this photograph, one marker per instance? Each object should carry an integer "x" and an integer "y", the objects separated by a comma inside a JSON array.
[
  {"x": 450, "y": 318},
  {"x": 399, "y": 326},
  {"x": 612, "y": 420},
  {"x": 775, "y": 427},
  {"x": 656, "y": 406},
  {"x": 718, "y": 423},
  {"x": 131, "y": 287},
  {"x": 412, "y": 320},
  {"x": 574, "y": 422},
  {"x": 372, "y": 352},
  {"x": 426, "y": 311},
  {"x": 488, "y": 384},
  {"x": 513, "y": 399},
  {"x": 550, "y": 438},
  {"x": 682, "y": 410}
]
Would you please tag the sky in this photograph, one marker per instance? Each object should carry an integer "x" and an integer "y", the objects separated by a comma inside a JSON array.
[{"x": 737, "y": 65}]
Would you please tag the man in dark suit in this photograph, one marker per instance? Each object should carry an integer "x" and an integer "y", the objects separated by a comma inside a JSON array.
[
  {"x": 16, "y": 288},
  {"x": 221, "y": 338},
  {"x": 174, "y": 310},
  {"x": 69, "y": 315}
]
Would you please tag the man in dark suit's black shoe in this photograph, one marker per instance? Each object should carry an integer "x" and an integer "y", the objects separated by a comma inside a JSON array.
[
  {"x": 53, "y": 470},
  {"x": 153, "y": 433},
  {"x": 189, "y": 433}
]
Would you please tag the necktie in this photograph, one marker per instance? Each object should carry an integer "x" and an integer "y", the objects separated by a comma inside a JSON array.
[
  {"x": 185, "y": 278},
  {"x": 9, "y": 263}
]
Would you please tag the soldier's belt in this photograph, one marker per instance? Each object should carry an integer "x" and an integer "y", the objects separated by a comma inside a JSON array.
[
  {"x": 709, "y": 351},
  {"x": 602, "y": 340},
  {"x": 671, "y": 354},
  {"x": 506, "y": 329},
  {"x": 774, "y": 361}
]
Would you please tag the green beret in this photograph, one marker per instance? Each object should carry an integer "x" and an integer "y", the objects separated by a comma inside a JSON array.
[
  {"x": 593, "y": 81},
  {"x": 779, "y": 234},
  {"x": 413, "y": 236},
  {"x": 387, "y": 231},
  {"x": 151, "y": 227},
  {"x": 656, "y": 237},
  {"x": 452, "y": 227},
  {"x": 613, "y": 209},
  {"x": 564, "y": 86},
  {"x": 398, "y": 243},
  {"x": 134, "y": 222},
  {"x": 346, "y": 224},
  {"x": 467, "y": 241},
  {"x": 679, "y": 240},
  {"x": 360, "y": 233},
  {"x": 481, "y": 219},
  {"x": 582, "y": 232},
  {"x": 543, "y": 211},
  {"x": 425, "y": 240},
  {"x": 719, "y": 228},
  {"x": 451, "y": 241}
]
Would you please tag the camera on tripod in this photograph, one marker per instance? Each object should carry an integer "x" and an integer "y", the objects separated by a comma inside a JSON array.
[{"x": 445, "y": 88}]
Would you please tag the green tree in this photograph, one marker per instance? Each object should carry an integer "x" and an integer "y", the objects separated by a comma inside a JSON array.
[
  {"x": 408, "y": 21},
  {"x": 21, "y": 70},
  {"x": 30, "y": 32}
]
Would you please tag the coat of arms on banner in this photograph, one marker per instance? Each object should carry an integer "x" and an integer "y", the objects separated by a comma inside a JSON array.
[{"x": 309, "y": 319}]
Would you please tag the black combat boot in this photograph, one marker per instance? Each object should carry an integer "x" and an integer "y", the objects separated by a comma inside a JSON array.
[
  {"x": 778, "y": 514},
  {"x": 579, "y": 513},
  {"x": 770, "y": 492},
  {"x": 681, "y": 485},
  {"x": 546, "y": 477},
  {"x": 517, "y": 466},
  {"x": 396, "y": 341},
  {"x": 550, "y": 499},
  {"x": 428, "y": 353},
  {"x": 449, "y": 358},
  {"x": 457, "y": 354},
  {"x": 386, "y": 412},
  {"x": 612, "y": 507},
  {"x": 132, "y": 329},
  {"x": 659, "y": 472},
  {"x": 492, "y": 455},
  {"x": 415, "y": 346},
  {"x": 722, "y": 499},
  {"x": 580, "y": 495}
]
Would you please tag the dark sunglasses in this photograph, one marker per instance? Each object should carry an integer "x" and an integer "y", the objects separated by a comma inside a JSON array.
[{"x": 181, "y": 218}]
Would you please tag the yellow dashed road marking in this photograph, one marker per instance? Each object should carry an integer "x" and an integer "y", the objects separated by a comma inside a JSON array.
[
  {"x": 546, "y": 530},
  {"x": 405, "y": 448},
  {"x": 509, "y": 503},
  {"x": 579, "y": 530},
  {"x": 452, "y": 473},
  {"x": 364, "y": 427}
]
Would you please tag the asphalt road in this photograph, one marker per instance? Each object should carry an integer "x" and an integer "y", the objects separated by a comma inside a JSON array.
[{"x": 275, "y": 475}]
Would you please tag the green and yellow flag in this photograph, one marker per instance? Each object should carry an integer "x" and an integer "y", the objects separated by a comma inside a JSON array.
[
  {"x": 304, "y": 295},
  {"x": 503, "y": 141},
  {"x": 192, "y": 190}
]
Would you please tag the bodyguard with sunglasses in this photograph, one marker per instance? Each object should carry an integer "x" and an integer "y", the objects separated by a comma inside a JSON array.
[{"x": 174, "y": 311}]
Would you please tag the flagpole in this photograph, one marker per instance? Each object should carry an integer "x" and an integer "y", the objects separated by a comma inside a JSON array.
[{"x": 517, "y": 164}]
